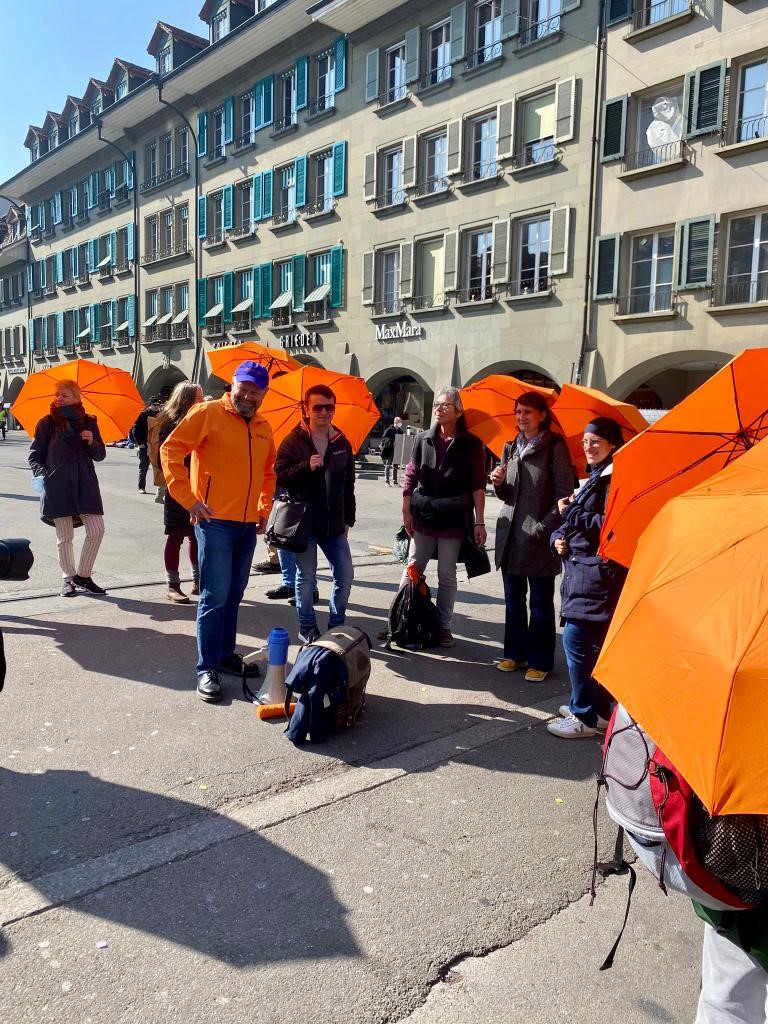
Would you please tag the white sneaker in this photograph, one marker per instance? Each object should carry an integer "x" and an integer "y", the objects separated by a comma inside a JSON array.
[
  {"x": 565, "y": 712},
  {"x": 570, "y": 728}
]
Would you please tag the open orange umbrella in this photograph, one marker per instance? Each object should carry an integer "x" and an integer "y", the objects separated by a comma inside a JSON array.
[
  {"x": 224, "y": 361},
  {"x": 710, "y": 428},
  {"x": 489, "y": 408},
  {"x": 108, "y": 394},
  {"x": 575, "y": 406},
  {"x": 687, "y": 650},
  {"x": 356, "y": 411}
]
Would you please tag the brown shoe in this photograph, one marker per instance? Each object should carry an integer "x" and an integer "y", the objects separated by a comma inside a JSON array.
[
  {"x": 446, "y": 638},
  {"x": 195, "y": 591},
  {"x": 177, "y": 595}
]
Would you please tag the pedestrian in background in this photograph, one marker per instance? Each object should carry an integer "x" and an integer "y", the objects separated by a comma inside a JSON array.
[
  {"x": 3, "y": 421},
  {"x": 444, "y": 499},
  {"x": 140, "y": 437},
  {"x": 388, "y": 451},
  {"x": 535, "y": 472},
  {"x": 227, "y": 491},
  {"x": 67, "y": 442}
]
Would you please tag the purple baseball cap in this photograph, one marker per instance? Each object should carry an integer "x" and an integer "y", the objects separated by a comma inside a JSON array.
[{"x": 253, "y": 372}]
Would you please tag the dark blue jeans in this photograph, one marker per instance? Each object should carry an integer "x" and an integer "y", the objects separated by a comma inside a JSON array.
[
  {"x": 336, "y": 550},
  {"x": 582, "y": 641},
  {"x": 225, "y": 551},
  {"x": 532, "y": 641}
]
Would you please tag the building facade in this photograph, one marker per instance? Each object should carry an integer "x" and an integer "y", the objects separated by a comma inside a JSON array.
[{"x": 407, "y": 191}]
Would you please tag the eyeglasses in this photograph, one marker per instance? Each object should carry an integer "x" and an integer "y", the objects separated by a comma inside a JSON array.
[
  {"x": 593, "y": 444},
  {"x": 443, "y": 406},
  {"x": 323, "y": 408}
]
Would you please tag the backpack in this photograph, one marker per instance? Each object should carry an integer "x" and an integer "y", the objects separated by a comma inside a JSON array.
[{"x": 413, "y": 619}]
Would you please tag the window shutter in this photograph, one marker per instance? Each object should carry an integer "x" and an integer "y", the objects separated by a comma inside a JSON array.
[
  {"x": 229, "y": 119},
  {"x": 31, "y": 334},
  {"x": 409, "y": 162},
  {"x": 505, "y": 121},
  {"x": 299, "y": 277},
  {"x": 302, "y": 75},
  {"x": 618, "y": 10},
  {"x": 565, "y": 109},
  {"x": 58, "y": 330},
  {"x": 75, "y": 326},
  {"x": 337, "y": 276},
  {"x": 73, "y": 200},
  {"x": 73, "y": 261},
  {"x": 614, "y": 129},
  {"x": 202, "y": 133},
  {"x": 59, "y": 264},
  {"x": 113, "y": 319},
  {"x": 93, "y": 192},
  {"x": 606, "y": 273},
  {"x": 369, "y": 177},
  {"x": 266, "y": 194},
  {"x": 130, "y": 309},
  {"x": 559, "y": 239},
  {"x": 412, "y": 54},
  {"x": 266, "y": 289},
  {"x": 95, "y": 318},
  {"x": 256, "y": 293},
  {"x": 228, "y": 293},
  {"x": 300, "y": 177},
  {"x": 510, "y": 18},
  {"x": 202, "y": 216},
  {"x": 569, "y": 5},
  {"x": 704, "y": 99},
  {"x": 406, "y": 270},
  {"x": 43, "y": 214},
  {"x": 369, "y": 260},
  {"x": 57, "y": 205},
  {"x": 129, "y": 165},
  {"x": 268, "y": 104},
  {"x": 113, "y": 246},
  {"x": 371, "y": 76},
  {"x": 696, "y": 248},
  {"x": 113, "y": 179},
  {"x": 202, "y": 300},
  {"x": 226, "y": 201},
  {"x": 129, "y": 241},
  {"x": 500, "y": 265},
  {"x": 454, "y": 161},
  {"x": 458, "y": 32},
  {"x": 340, "y": 64},
  {"x": 31, "y": 276},
  {"x": 451, "y": 261},
  {"x": 258, "y": 106},
  {"x": 43, "y": 269},
  {"x": 256, "y": 198},
  {"x": 339, "y": 168}
]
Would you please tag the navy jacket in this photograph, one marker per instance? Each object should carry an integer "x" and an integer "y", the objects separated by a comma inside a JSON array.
[
  {"x": 70, "y": 484},
  {"x": 330, "y": 491}
]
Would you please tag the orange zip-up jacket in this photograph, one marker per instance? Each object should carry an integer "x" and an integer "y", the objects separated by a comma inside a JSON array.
[{"x": 232, "y": 462}]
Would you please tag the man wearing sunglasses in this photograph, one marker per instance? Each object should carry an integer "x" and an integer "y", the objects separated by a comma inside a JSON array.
[{"x": 315, "y": 463}]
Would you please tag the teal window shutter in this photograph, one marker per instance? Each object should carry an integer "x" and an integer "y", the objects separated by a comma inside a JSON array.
[
  {"x": 226, "y": 200},
  {"x": 94, "y": 253},
  {"x": 59, "y": 265},
  {"x": 256, "y": 293},
  {"x": 129, "y": 164},
  {"x": 229, "y": 290},
  {"x": 258, "y": 106},
  {"x": 256, "y": 199},
  {"x": 113, "y": 179},
  {"x": 606, "y": 273},
  {"x": 299, "y": 277},
  {"x": 202, "y": 216},
  {"x": 42, "y": 266},
  {"x": 129, "y": 240},
  {"x": 130, "y": 315},
  {"x": 202, "y": 133},
  {"x": 458, "y": 32},
  {"x": 268, "y": 100},
  {"x": 57, "y": 207},
  {"x": 340, "y": 64},
  {"x": 266, "y": 195},
  {"x": 300, "y": 177},
  {"x": 42, "y": 216},
  {"x": 113, "y": 247},
  {"x": 613, "y": 133},
  {"x": 31, "y": 334},
  {"x": 412, "y": 54},
  {"x": 202, "y": 300},
  {"x": 113, "y": 319},
  {"x": 337, "y": 276},
  {"x": 339, "y": 168},
  {"x": 266, "y": 289},
  {"x": 93, "y": 190},
  {"x": 31, "y": 276},
  {"x": 59, "y": 330},
  {"x": 697, "y": 244},
  {"x": 95, "y": 309},
  {"x": 302, "y": 77},
  {"x": 73, "y": 259},
  {"x": 229, "y": 119}
]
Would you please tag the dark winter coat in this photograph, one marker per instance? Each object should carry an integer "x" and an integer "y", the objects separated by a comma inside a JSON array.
[
  {"x": 175, "y": 516},
  {"x": 329, "y": 492},
  {"x": 70, "y": 484},
  {"x": 530, "y": 491},
  {"x": 388, "y": 442},
  {"x": 459, "y": 475},
  {"x": 140, "y": 430},
  {"x": 591, "y": 585}
]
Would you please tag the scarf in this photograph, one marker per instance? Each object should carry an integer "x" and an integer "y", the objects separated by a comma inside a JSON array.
[
  {"x": 523, "y": 445},
  {"x": 69, "y": 419}
]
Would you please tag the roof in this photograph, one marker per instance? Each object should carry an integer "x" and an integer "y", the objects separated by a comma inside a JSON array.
[
  {"x": 73, "y": 101},
  {"x": 205, "y": 12},
  {"x": 177, "y": 34},
  {"x": 121, "y": 65},
  {"x": 33, "y": 133},
  {"x": 95, "y": 85}
]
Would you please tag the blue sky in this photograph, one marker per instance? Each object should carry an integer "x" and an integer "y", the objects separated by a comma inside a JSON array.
[{"x": 60, "y": 46}]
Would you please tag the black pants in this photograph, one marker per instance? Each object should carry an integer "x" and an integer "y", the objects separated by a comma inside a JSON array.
[{"x": 143, "y": 467}]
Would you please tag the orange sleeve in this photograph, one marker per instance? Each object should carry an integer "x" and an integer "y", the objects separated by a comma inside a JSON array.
[
  {"x": 269, "y": 481},
  {"x": 183, "y": 440}
]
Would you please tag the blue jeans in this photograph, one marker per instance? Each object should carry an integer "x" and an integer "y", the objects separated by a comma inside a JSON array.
[
  {"x": 582, "y": 641},
  {"x": 287, "y": 560},
  {"x": 336, "y": 550},
  {"x": 532, "y": 641},
  {"x": 225, "y": 552}
]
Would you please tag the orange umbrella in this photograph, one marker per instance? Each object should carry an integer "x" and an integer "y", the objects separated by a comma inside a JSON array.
[
  {"x": 687, "y": 650},
  {"x": 107, "y": 393},
  {"x": 720, "y": 421},
  {"x": 356, "y": 410},
  {"x": 489, "y": 408},
  {"x": 224, "y": 361},
  {"x": 575, "y": 406}
]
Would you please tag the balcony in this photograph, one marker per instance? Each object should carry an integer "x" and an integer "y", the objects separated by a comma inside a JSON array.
[
  {"x": 746, "y": 134},
  {"x": 174, "y": 252},
  {"x": 121, "y": 267},
  {"x": 180, "y": 331},
  {"x": 484, "y": 172},
  {"x": 35, "y": 234},
  {"x": 429, "y": 304},
  {"x": 547, "y": 30},
  {"x": 105, "y": 269},
  {"x": 654, "y": 161},
  {"x": 652, "y": 18},
  {"x": 388, "y": 307},
  {"x": 432, "y": 189},
  {"x": 390, "y": 201},
  {"x": 242, "y": 321},
  {"x": 282, "y": 311},
  {"x": 151, "y": 184},
  {"x": 284, "y": 220},
  {"x": 529, "y": 288},
  {"x": 392, "y": 99},
  {"x": 316, "y": 313},
  {"x": 67, "y": 221},
  {"x": 49, "y": 231},
  {"x": 122, "y": 196},
  {"x": 82, "y": 215},
  {"x": 241, "y": 232},
  {"x": 215, "y": 155},
  {"x": 68, "y": 284},
  {"x": 323, "y": 207},
  {"x": 739, "y": 295},
  {"x": 105, "y": 337},
  {"x": 284, "y": 124},
  {"x": 214, "y": 321},
  {"x": 658, "y": 303},
  {"x": 84, "y": 346},
  {"x": 84, "y": 278},
  {"x": 485, "y": 57},
  {"x": 244, "y": 141},
  {"x": 104, "y": 203},
  {"x": 475, "y": 296},
  {"x": 323, "y": 106},
  {"x": 436, "y": 78},
  {"x": 50, "y": 290},
  {"x": 541, "y": 155},
  {"x": 216, "y": 239}
]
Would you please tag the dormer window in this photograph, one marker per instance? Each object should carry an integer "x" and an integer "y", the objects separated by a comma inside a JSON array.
[
  {"x": 53, "y": 139},
  {"x": 164, "y": 61},
  {"x": 34, "y": 151},
  {"x": 73, "y": 126},
  {"x": 219, "y": 25},
  {"x": 121, "y": 89},
  {"x": 96, "y": 108}
]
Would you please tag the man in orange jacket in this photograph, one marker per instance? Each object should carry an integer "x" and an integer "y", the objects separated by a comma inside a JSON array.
[{"x": 228, "y": 491}]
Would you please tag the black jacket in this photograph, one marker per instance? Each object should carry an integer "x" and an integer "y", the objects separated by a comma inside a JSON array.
[
  {"x": 175, "y": 516},
  {"x": 329, "y": 492},
  {"x": 70, "y": 484},
  {"x": 140, "y": 429},
  {"x": 461, "y": 472},
  {"x": 388, "y": 442}
]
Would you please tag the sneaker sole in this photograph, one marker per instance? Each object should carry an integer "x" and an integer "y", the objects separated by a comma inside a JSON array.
[
  {"x": 209, "y": 698},
  {"x": 573, "y": 735}
]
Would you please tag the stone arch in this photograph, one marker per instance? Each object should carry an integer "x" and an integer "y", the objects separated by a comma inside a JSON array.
[
  {"x": 162, "y": 381},
  {"x": 672, "y": 375},
  {"x": 401, "y": 391},
  {"x": 530, "y": 372},
  {"x": 307, "y": 360}
]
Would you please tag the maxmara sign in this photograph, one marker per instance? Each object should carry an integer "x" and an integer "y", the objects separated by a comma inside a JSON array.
[{"x": 395, "y": 332}]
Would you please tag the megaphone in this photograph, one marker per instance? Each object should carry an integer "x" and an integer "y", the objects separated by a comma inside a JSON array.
[{"x": 271, "y": 697}]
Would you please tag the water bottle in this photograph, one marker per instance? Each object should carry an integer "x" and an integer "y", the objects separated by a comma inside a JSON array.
[{"x": 38, "y": 484}]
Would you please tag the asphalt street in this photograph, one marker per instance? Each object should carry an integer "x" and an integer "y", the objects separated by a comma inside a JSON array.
[{"x": 164, "y": 860}]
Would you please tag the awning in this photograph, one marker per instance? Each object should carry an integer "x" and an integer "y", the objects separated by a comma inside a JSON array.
[
  {"x": 282, "y": 300},
  {"x": 242, "y": 306},
  {"x": 180, "y": 317},
  {"x": 104, "y": 263},
  {"x": 216, "y": 311},
  {"x": 151, "y": 322},
  {"x": 318, "y": 294},
  {"x": 165, "y": 319},
  {"x": 84, "y": 333},
  {"x": 124, "y": 326}
]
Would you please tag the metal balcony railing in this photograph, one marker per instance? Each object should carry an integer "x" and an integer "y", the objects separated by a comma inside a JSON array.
[
  {"x": 432, "y": 186},
  {"x": 745, "y": 130},
  {"x": 323, "y": 205},
  {"x": 165, "y": 254},
  {"x": 241, "y": 230},
  {"x": 180, "y": 171},
  {"x": 215, "y": 327},
  {"x": 392, "y": 197},
  {"x": 216, "y": 237},
  {"x": 740, "y": 291},
  {"x": 246, "y": 139},
  {"x": 83, "y": 277},
  {"x": 641, "y": 301},
  {"x": 282, "y": 317},
  {"x": 476, "y": 293},
  {"x": 242, "y": 322},
  {"x": 656, "y": 157},
  {"x": 316, "y": 312},
  {"x": 180, "y": 332},
  {"x": 484, "y": 55},
  {"x": 285, "y": 121},
  {"x": 535, "y": 153},
  {"x": 436, "y": 76},
  {"x": 121, "y": 194},
  {"x": 320, "y": 105},
  {"x": 105, "y": 336},
  {"x": 104, "y": 202},
  {"x": 395, "y": 94},
  {"x": 652, "y": 13},
  {"x": 423, "y": 303},
  {"x": 539, "y": 30},
  {"x": 281, "y": 218},
  {"x": 389, "y": 307},
  {"x": 529, "y": 284},
  {"x": 483, "y": 170}
]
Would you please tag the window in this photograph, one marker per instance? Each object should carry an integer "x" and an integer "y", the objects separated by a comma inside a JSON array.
[
  {"x": 287, "y": 100},
  {"x": 182, "y": 227},
  {"x": 243, "y": 207},
  {"x": 166, "y": 300},
  {"x": 537, "y": 144},
  {"x": 246, "y": 119},
  {"x": 179, "y": 324},
  {"x": 182, "y": 148},
  {"x": 166, "y": 231},
  {"x": 533, "y": 256},
  {"x": 659, "y": 127},
  {"x": 651, "y": 270},
  {"x": 326, "y": 76},
  {"x": 215, "y": 217},
  {"x": 95, "y": 108},
  {"x": 150, "y": 162},
  {"x": 392, "y": 176},
  {"x": 73, "y": 126},
  {"x": 395, "y": 74},
  {"x": 164, "y": 61},
  {"x": 82, "y": 261},
  {"x": 151, "y": 236},
  {"x": 540, "y": 18},
  {"x": 746, "y": 275},
  {"x": 752, "y": 113},
  {"x": 323, "y": 181},
  {"x": 438, "y": 54},
  {"x": 166, "y": 154},
  {"x": 388, "y": 281},
  {"x": 151, "y": 303},
  {"x": 242, "y": 310},
  {"x": 219, "y": 25},
  {"x": 487, "y": 16},
  {"x": 483, "y": 148},
  {"x": 434, "y": 175},
  {"x": 121, "y": 89},
  {"x": 82, "y": 200},
  {"x": 217, "y": 133},
  {"x": 120, "y": 256},
  {"x": 477, "y": 266},
  {"x": 430, "y": 268},
  {"x": 105, "y": 323},
  {"x": 651, "y": 12},
  {"x": 287, "y": 195}
]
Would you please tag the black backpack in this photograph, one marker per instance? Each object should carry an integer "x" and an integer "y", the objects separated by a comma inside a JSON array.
[{"x": 413, "y": 619}]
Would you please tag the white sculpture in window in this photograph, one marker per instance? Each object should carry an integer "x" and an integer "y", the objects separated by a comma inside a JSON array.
[{"x": 666, "y": 127}]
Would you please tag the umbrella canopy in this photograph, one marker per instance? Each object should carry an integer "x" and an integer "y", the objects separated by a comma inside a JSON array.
[
  {"x": 489, "y": 408},
  {"x": 575, "y": 406},
  {"x": 710, "y": 428},
  {"x": 356, "y": 411},
  {"x": 687, "y": 650},
  {"x": 107, "y": 393},
  {"x": 224, "y": 361}
]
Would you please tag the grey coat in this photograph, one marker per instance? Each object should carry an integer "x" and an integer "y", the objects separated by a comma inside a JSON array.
[
  {"x": 530, "y": 493},
  {"x": 70, "y": 485}
]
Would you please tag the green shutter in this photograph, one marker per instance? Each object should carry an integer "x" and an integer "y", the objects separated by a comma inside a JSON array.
[
  {"x": 510, "y": 18},
  {"x": 704, "y": 99},
  {"x": 31, "y": 334},
  {"x": 614, "y": 129},
  {"x": 697, "y": 243},
  {"x": 256, "y": 293},
  {"x": 339, "y": 168},
  {"x": 202, "y": 300},
  {"x": 202, "y": 133},
  {"x": 113, "y": 319},
  {"x": 58, "y": 330},
  {"x": 226, "y": 200},
  {"x": 258, "y": 106},
  {"x": 606, "y": 276},
  {"x": 266, "y": 288},
  {"x": 268, "y": 100},
  {"x": 58, "y": 261},
  {"x": 337, "y": 276},
  {"x": 340, "y": 64},
  {"x": 130, "y": 309},
  {"x": 256, "y": 199},
  {"x": 617, "y": 10},
  {"x": 302, "y": 76},
  {"x": 458, "y": 32},
  {"x": 229, "y": 290},
  {"x": 299, "y": 282},
  {"x": 95, "y": 317},
  {"x": 266, "y": 195},
  {"x": 300, "y": 177},
  {"x": 229, "y": 119},
  {"x": 202, "y": 216}
]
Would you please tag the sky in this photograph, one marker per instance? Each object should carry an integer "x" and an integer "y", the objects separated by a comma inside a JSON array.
[{"x": 63, "y": 43}]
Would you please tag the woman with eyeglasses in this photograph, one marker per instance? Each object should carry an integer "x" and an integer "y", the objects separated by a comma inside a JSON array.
[
  {"x": 444, "y": 499},
  {"x": 591, "y": 585}
]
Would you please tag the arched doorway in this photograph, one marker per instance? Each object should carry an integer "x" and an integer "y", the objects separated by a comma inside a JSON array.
[
  {"x": 162, "y": 382},
  {"x": 399, "y": 393},
  {"x": 15, "y": 386},
  {"x": 527, "y": 372},
  {"x": 659, "y": 384}
]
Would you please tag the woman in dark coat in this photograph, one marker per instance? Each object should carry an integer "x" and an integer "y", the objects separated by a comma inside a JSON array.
[
  {"x": 535, "y": 472},
  {"x": 175, "y": 516},
  {"x": 591, "y": 585},
  {"x": 66, "y": 445}
]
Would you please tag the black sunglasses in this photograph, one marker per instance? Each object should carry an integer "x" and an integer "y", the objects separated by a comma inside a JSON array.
[{"x": 323, "y": 408}]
